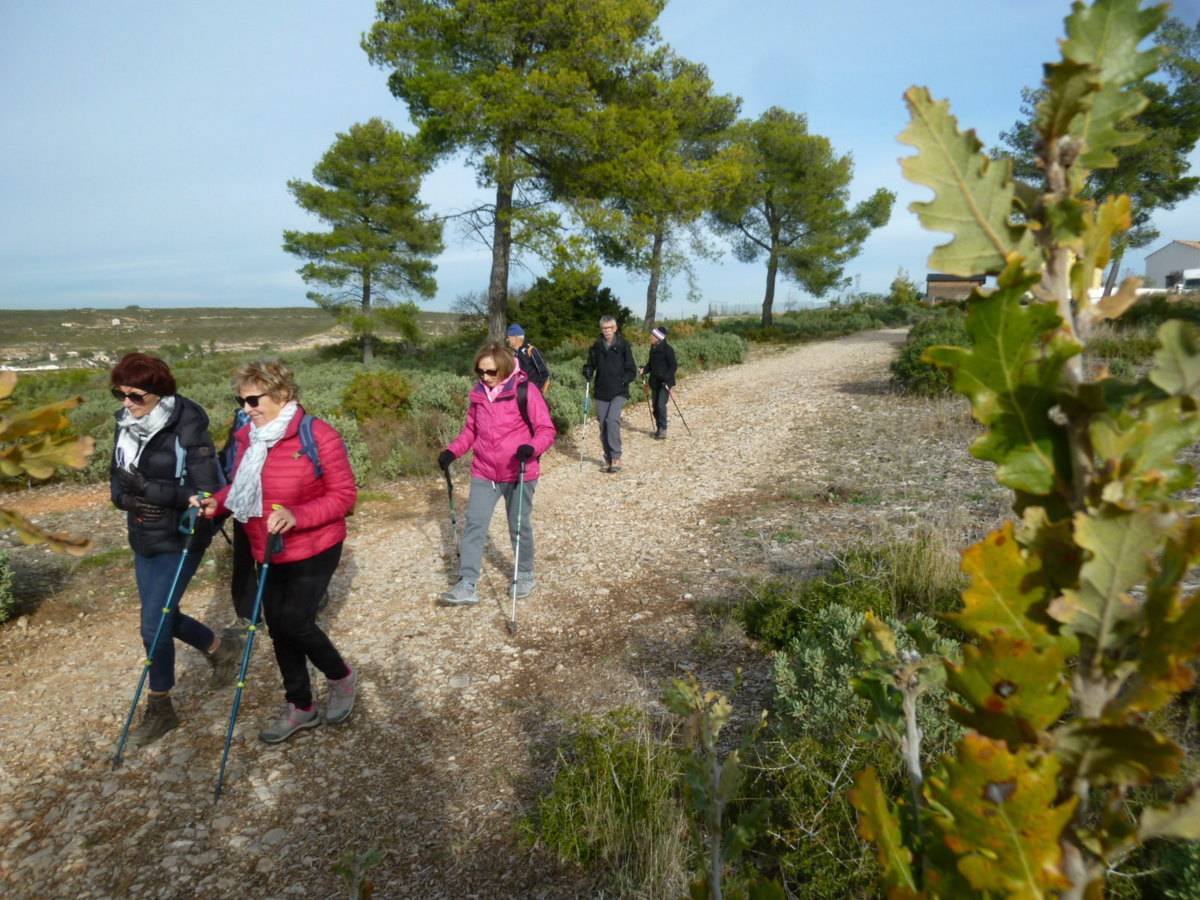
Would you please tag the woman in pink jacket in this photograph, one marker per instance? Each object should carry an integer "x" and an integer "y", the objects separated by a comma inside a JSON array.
[
  {"x": 502, "y": 436},
  {"x": 285, "y": 483}
]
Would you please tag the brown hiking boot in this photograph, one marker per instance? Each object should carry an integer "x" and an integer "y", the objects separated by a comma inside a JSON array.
[
  {"x": 225, "y": 661},
  {"x": 157, "y": 719}
]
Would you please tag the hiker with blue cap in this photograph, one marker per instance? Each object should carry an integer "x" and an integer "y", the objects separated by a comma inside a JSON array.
[{"x": 528, "y": 357}]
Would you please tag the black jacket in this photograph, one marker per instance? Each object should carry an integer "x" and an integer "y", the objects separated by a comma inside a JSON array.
[
  {"x": 613, "y": 367},
  {"x": 533, "y": 365},
  {"x": 661, "y": 365},
  {"x": 188, "y": 423}
]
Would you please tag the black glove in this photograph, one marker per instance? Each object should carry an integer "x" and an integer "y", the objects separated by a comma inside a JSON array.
[
  {"x": 444, "y": 460},
  {"x": 132, "y": 483},
  {"x": 587, "y": 373},
  {"x": 524, "y": 452},
  {"x": 148, "y": 512}
]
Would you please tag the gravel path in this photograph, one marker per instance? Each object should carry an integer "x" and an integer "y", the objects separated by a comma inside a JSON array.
[{"x": 456, "y": 720}]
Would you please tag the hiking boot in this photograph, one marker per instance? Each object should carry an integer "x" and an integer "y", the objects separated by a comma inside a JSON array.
[
  {"x": 291, "y": 720},
  {"x": 341, "y": 698},
  {"x": 462, "y": 594},
  {"x": 525, "y": 586},
  {"x": 225, "y": 661},
  {"x": 159, "y": 718}
]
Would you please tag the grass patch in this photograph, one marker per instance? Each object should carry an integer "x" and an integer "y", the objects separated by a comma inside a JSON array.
[
  {"x": 899, "y": 576},
  {"x": 102, "y": 559},
  {"x": 612, "y": 807}
]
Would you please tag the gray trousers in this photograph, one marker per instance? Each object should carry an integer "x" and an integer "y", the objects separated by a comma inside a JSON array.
[
  {"x": 480, "y": 505},
  {"x": 608, "y": 412}
]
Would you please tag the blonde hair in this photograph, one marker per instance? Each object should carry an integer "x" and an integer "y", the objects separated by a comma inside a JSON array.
[
  {"x": 501, "y": 355},
  {"x": 275, "y": 376}
]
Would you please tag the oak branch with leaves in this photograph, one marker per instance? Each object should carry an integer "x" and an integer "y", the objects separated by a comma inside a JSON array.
[
  {"x": 34, "y": 444},
  {"x": 1080, "y": 629}
]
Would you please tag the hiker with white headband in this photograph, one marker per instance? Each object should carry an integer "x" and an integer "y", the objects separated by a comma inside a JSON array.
[{"x": 661, "y": 368}]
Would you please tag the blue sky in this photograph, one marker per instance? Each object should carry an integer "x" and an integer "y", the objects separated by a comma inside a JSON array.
[{"x": 146, "y": 146}]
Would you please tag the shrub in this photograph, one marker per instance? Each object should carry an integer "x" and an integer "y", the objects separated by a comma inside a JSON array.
[
  {"x": 377, "y": 395},
  {"x": 612, "y": 806},
  {"x": 440, "y": 391},
  {"x": 909, "y": 372},
  {"x": 356, "y": 447},
  {"x": 1127, "y": 347},
  {"x": 568, "y": 303},
  {"x": 8, "y": 602}
]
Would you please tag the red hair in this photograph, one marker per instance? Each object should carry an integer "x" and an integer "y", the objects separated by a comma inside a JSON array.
[{"x": 146, "y": 372}]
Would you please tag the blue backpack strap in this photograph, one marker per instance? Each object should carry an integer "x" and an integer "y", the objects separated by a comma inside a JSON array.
[
  {"x": 308, "y": 444},
  {"x": 180, "y": 461}
]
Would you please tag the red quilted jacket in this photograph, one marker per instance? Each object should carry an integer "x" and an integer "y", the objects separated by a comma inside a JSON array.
[{"x": 320, "y": 505}]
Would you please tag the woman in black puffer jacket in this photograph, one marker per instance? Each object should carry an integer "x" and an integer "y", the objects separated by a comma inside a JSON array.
[{"x": 162, "y": 455}]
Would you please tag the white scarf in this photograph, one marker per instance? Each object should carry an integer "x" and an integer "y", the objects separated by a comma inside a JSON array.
[
  {"x": 245, "y": 496},
  {"x": 133, "y": 434}
]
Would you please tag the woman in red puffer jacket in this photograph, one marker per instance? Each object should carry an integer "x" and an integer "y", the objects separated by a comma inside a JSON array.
[
  {"x": 276, "y": 489},
  {"x": 502, "y": 440}
]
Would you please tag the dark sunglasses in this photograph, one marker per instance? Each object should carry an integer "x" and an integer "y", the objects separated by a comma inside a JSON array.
[
  {"x": 135, "y": 398},
  {"x": 251, "y": 401},
  {"x": 490, "y": 373}
]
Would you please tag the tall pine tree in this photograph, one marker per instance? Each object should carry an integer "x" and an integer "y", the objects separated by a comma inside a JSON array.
[
  {"x": 380, "y": 244},
  {"x": 791, "y": 204},
  {"x": 519, "y": 85}
]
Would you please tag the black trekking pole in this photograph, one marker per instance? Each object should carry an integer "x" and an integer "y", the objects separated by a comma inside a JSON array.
[
  {"x": 453, "y": 518},
  {"x": 512, "y": 623},
  {"x": 649, "y": 405},
  {"x": 671, "y": 394},
  {"x": 187, "y": 525},
  {"x": 274, "y": 545}
]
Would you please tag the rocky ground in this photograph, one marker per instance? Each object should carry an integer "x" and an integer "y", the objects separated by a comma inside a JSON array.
[{"x": 792, "y": 455}]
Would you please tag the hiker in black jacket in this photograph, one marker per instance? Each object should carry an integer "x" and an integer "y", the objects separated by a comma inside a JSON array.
[
  {"x": 162, "y": 455},
  {"x": 528, "y": 356},
  {"x": 610, "y": 361},
  {"x": 661, "y": 369}
]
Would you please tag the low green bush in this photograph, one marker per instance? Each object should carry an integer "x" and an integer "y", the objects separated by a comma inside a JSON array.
[
  {"x": 377, "y": 395},
  {"x": 8, "y": 602},
  {"x": 909, "y": 372},
  {"x": 613, "y": 807}
]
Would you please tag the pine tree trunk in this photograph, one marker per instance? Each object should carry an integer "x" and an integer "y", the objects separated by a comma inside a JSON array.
[
  {"x": 367, "y": 337},
  {"x": 1110, "y": 283},
  {"x": 655, "y": 273},
  {"x": 501, "y": 250},
  {"x": 769, "y": 298}
]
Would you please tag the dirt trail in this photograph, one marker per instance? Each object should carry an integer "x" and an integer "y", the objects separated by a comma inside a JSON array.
[{"x": 455, "y": 719}]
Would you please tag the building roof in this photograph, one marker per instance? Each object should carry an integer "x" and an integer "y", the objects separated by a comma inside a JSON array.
[
  {"x": 1191, "y": 245},
  {"x": 973, "y": 279}
]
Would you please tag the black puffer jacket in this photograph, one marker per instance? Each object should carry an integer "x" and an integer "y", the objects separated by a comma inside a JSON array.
[
  {"x": 188, "y": 423},
  {"x": 613, "y": 367}
]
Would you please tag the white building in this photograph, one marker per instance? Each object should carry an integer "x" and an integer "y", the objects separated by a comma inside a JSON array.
[{"x": 1165, "y": 266}]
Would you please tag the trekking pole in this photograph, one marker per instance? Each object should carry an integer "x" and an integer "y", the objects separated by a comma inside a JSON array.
[
  {"x": 587, "y": 392},
  {"x": 274, "y": 545},
  {"x": 187, "y": 525},
  {"x": 649, "y": 405},
  {"x": 678, "y": 410},
  {"x": 512, "y": 624},
  {"x": 453, "y": 518}
]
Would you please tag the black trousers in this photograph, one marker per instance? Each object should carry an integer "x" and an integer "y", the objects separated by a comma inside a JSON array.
[
  {"x": 290, "y": 600},
  {"x": 660, "y": 397},
  {"x": 244, "y": 584}
]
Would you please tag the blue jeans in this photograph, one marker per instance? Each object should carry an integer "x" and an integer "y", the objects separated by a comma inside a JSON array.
[{"x": 154, "y": 576}]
